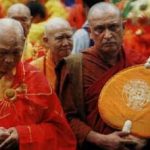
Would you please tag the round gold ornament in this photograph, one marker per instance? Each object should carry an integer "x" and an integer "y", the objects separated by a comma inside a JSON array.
[{"x": 10, "y": 94}]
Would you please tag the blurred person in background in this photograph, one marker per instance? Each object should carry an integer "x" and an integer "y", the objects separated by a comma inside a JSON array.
[{"x": 58, "y": 40}]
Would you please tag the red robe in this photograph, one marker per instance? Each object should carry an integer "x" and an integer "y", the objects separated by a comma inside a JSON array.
[
  {"x": 36, "y": 113},
  {"x": 95, "y": 74}
]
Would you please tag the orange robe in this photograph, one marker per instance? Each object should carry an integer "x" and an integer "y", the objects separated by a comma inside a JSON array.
[
  {"x": 46, "y": 65},
  {"x": 36, "y": 113}
]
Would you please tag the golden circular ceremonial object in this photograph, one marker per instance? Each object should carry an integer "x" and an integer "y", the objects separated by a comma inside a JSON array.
[
  {"x": 126, "y": 96},
  {"x": 10, "y": 94}
]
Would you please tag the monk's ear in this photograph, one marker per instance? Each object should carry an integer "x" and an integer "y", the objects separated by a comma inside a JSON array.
[
  {"x": 31, "y": 19},
  {"x": 124, "y": 23},
  {"x": 45, "y": 41},
  {"x": 89, "y": 30},
  {"x": 90, "y": 33}
]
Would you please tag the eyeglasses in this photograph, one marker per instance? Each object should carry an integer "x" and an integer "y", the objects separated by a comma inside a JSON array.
[{"x": 111, "y": 27}]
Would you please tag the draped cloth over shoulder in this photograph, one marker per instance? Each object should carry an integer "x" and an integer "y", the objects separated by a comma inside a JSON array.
[
  {"x": 126, "y": 96},
  {"x": 35, "y": 112}
]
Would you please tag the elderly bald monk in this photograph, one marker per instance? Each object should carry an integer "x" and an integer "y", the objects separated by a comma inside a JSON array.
[
  {"x": 80, "y": 84},
  {"x": 31, "y": 117},
  {"x": 22, "y": 13},
  {"x": 58, "y": 40}
]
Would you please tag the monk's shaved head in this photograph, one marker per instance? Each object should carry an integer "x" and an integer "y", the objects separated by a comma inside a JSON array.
[
  {"x": 11, "y": 31},
  {"x": 101, "y": 9},
  {"x": 56, "y": 24},
  {"x": 11, "y": 44},
  {"x": 58, "y": 38},
  {"x": 106, "y": 27},
  {"x": 21, "y": 13},
  {"x": 18, "y": 8}
]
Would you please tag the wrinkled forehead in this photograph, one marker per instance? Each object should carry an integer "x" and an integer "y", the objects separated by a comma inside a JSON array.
[
  {"x": 55, "y": 25},
  {"x": 59, "y": 30},
  {"x": 105, "y": 18},
  {"x": 68, "y": 33}
]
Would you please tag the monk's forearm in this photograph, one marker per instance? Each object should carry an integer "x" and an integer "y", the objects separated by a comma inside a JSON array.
[
  {"x": 80, "y": 129},
  {"x": 95, "y": 138}
]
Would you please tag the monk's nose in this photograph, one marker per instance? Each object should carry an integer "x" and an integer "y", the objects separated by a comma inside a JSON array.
[
  {"x": 65, "y": 42},
  {"x": 107, "y": 34}
]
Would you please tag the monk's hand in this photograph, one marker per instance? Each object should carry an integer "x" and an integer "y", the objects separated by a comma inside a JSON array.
[
  {"x": 113, "y": 141},
  {"x": 140, "y": 142},
  {"x": 3, "y": 134},
  {"x": 11, "y": 141}
]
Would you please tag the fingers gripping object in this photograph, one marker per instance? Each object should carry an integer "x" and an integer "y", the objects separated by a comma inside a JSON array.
[{"x": 127, "y": 126}]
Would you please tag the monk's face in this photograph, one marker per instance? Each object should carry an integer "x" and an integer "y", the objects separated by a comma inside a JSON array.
[
  {"x": 60, "y": 43},
  {"x": 23, "y": 17},
  {"x": 107, "y": 32},
  {"x": 11, "y": 47}
]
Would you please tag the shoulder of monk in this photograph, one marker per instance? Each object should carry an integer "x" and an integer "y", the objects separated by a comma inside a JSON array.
[{"x": 69, "y": 62}]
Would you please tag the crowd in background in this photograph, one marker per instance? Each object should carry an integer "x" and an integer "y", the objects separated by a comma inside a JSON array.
[
  {"x": 105, "y": 41},
  {"x": 135, "y": 13}
]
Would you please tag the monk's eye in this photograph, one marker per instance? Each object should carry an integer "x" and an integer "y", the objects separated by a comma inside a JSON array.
[
  {"x": 69, "y": 37},
  {"x": 2, "y": 54},
  {"x": 114, "y": 27},
  {"x": 59, "y": 38},
  {"x": 99, "y": 29},
  {"x": 16, "y": 53},
  {"x": 24, "y": 19}
]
